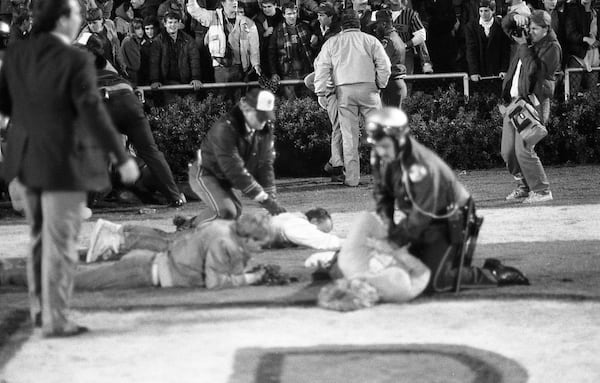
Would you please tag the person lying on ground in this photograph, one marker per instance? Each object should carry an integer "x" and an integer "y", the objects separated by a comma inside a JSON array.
[
  {"x": 311, "y": 229},
  {"x": 214, "y": 257},
  {"x": 109, "y": 241},
  {"x": 391, "y": 272}
]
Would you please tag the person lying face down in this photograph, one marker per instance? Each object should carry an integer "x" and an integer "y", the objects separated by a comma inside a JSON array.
[
  {"x": 311, "y": 229},
  {"x": 214, "y": 256}
]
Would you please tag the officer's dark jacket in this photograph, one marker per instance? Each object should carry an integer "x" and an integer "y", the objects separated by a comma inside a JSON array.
[
  {"x": 237, "y": 159},
  {"x": 433, "y": 186}
]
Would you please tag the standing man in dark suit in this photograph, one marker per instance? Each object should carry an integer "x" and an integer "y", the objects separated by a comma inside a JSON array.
[{"x": 58, "y": 147}]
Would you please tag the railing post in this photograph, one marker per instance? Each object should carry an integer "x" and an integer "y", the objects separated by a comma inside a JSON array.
[
  {"x": 567, "y": 83},
  {"x": 466, "y": 85}
]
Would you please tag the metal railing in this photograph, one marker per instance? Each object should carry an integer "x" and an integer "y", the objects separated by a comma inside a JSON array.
[
  {"x": 464, "y": 77},
  {"x": 576, "y": 71},
  {"x": 485, "y": 84}
]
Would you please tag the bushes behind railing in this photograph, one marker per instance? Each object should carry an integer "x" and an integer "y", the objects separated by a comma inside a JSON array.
[{"x": 466, "y": 133}]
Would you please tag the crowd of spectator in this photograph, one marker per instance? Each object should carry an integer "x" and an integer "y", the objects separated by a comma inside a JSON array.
[{"x": 154, "y": 42}]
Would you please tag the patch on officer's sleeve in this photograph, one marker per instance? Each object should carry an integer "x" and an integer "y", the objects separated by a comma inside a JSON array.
[{"x": 417, "y": 172}]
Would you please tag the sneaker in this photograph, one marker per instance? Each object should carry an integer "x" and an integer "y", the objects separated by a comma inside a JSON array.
[
  {"x": 535, "y": 197},
  {"x": 517, "y": 194},
  {"x": 104, "y": 242}
]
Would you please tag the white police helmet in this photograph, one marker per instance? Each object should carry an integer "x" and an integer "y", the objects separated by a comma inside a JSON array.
[{"x": 388, "y": 121}]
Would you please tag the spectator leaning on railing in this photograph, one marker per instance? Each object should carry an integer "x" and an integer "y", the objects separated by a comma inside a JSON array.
[
  {"x": 531, "y": 75},
  {"x": 582, "y": 27},
  {"x": 232, "y": 40},
  {"x": 290, "y": 56},
  {"x": 177, "y": 59},
  {"x": 266, "y": 21}
]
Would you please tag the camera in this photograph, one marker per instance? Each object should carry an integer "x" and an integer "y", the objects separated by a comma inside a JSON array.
[{"x": 520, "y": 31}]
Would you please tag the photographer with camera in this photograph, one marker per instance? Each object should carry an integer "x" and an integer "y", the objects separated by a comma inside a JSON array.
[{"x": 531, "y": 76}]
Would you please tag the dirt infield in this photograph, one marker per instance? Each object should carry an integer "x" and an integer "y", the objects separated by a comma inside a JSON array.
[{"x": 545, "y": 332}]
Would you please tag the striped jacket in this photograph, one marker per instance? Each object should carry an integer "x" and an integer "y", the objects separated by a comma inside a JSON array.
[{"x": 240, "y": 160}]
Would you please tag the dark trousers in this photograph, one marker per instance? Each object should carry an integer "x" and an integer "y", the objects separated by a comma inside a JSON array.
[
  {"x": 128, "y": 115},
  {"x": 220, "y": 199},
  {"x": 394, "y": 93},
  {"x": 432, "y": 249}
]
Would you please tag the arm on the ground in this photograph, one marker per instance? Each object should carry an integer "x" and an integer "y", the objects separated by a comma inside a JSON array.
[
  {"x": 299, "y": 231},
  {"x": 224, "y": 267}
]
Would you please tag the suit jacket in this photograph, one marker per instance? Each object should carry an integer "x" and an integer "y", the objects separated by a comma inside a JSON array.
[
  {"x": 486, "y": 56},
  {"x": 61, "y": 133}
]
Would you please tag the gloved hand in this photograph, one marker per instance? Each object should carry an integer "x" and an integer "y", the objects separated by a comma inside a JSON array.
[
  {"x": 322, "y": 260},
  {"x": 272, "y": 206}
]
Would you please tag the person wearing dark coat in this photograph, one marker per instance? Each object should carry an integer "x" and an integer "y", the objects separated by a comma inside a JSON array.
[
  {"x": 177, "y": 59},
  {"x": 487, "y": 46},
  {"x": 582, "y": 29},
  {"x": 59, "y": 144}
]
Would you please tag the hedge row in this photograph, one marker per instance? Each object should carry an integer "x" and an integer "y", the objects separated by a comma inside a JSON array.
[{"x": 466, "y": 133}]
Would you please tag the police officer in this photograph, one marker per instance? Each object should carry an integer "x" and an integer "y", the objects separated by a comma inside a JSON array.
[
  {"x": 421, "y": 185},
  {"x": 127, "y": 112},
  {"x": 236, "y": 153}
]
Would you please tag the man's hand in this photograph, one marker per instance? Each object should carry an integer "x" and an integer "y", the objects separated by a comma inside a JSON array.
[
  {"x": 275, "y": 77},
  {"x": 155, "y": 85},
  {"x": 323, "y": 102},
  {"x": 268, "y": 32},
  {"x": 322, "y": 260},
  {"x": 521, "y": 21},
  {"x": 521, "y": 39},
  {"x": 475, "y": 77},
  {"x": 255, "y": 277},
  {"x": 272, "y": 206},
  {"x": 258, "y": 70},
  {"x": 129, "y": 171},
  {"x": 589, "y": 41},
  {"x": 197, "y": 84},
  {"x": 502, "y": 75},
  {"x": 314, "y": 40}
]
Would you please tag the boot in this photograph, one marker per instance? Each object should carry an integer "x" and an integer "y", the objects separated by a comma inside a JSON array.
[{"x": 505, "y": 275}]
